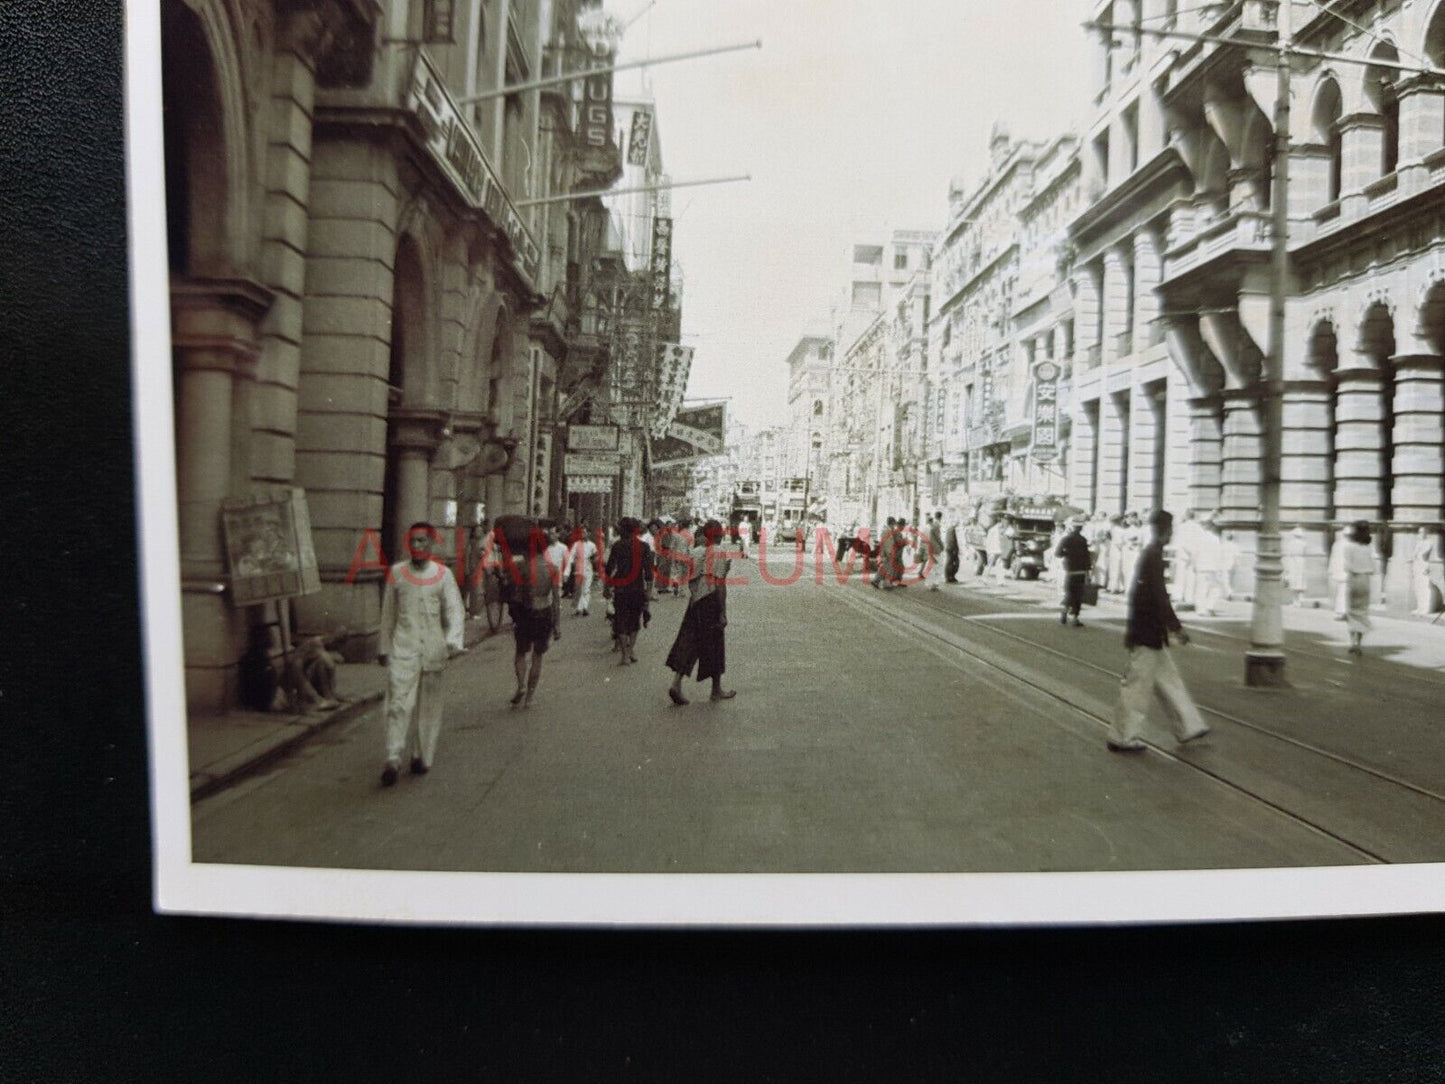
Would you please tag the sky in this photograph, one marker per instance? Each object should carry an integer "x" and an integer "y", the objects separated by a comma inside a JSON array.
[{"x": 852, "y": 119}]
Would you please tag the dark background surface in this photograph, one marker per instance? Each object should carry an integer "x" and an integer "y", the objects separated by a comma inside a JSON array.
[{"x": 93, "y": 986}]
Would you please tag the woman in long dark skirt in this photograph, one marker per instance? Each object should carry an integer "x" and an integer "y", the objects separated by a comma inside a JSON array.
[
  {"x": 629, "y": 579},
  {"x": 700, "y": 640}
]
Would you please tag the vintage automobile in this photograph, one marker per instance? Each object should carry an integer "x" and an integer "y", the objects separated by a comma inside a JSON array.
[{"x": 1028, "y": 533}]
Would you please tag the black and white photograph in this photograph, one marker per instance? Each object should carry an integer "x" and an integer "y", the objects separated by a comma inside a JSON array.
[{"x": 791, "y": 462}]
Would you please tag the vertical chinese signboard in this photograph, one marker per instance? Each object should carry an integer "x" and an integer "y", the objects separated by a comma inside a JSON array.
[
  {"x": 661, "y": 269},
  {"x": 1046, "y": 412},
  {"x": 640, "y": 138}
]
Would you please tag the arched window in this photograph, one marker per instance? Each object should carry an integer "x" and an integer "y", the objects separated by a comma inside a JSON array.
[
  {"x": 1380, "y": 93},
  {"x": 1325, "y": 121},
  {"x": 817, "y": 408}
]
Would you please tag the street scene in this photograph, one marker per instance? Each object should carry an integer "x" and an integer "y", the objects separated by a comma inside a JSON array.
[{"x": 642, "y": 438}]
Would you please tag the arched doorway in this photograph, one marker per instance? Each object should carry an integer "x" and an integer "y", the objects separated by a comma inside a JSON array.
[{"x": 410, "y": 439}]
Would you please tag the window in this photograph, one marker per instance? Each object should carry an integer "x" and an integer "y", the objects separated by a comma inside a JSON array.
[
  {"x": 1101, "y": 158},
  {"x": 817, "y": 408},
  {"x": 1129, "y": 131},
  {"x": 867, "y": 295},
  {"x": 871, "y": 255},
  {"x": 900, "y": 261}
]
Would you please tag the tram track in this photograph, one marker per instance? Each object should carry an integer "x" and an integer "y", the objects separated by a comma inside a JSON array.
[{"x": 978, "y": 655}]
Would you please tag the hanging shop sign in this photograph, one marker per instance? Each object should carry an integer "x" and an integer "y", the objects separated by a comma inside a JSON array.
[
  {"x": 674, "y": 365},
  {"x": 596, "y": 126},
  {"x": 592, "y": 438},
  {"x": 696, "y": 433},
  {"x": 593, "y": 463},
  {"x": 452, "y": 143},
  {"x": 640, "y": 138},
  {"x": 269, "y": 548},
  {"x": 588, "y": 483},
  {"x": 1046, "y": 411},
  {"x": 661, "y": 267}
]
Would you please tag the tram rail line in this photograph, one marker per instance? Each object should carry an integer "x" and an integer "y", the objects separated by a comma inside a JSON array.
[
  {"x": 982, "y": 620},
  {"x": 872, "y": 606}
]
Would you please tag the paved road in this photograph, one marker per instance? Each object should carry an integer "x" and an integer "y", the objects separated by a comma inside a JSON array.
[{"x": 905, "y": 731}]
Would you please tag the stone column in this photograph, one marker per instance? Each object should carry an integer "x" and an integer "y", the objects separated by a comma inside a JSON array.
[
  {"x": 1177, "y": 444},
  {"x": 1418, "y": 470},
  {"x": 1306, "y": 471},
  {"x": 1362, "y": 139},
  {"x": 1309, "y": 180},
  {"x": 1113, "y": 451},
  {"x": 1422, "y": 128},
  {"x": 1181, "y": 223},
  {"x": 1359, "y": 437},
  {"x": 1087, "y": 325},
  {"x": 283, "y": 250},
  {"x": 1115, "y": 308},
  {"x": 1206, "y": 452},
  {"x": 214, "y": 339},
  {"x": 1083, "y": 447},
  {"x": 343, "y": 398},
  {"x": 1241, "y": 449},
  {"x": 1147, "y": 272},
  {"x": 1145, "y": 418},
  {"x": 414, "y": 442}
]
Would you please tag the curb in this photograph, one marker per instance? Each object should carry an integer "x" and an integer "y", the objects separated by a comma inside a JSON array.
[{"x": 208, "y": 784}]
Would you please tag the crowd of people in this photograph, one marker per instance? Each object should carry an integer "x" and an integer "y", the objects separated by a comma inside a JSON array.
[{"x": 423, "y": 612}]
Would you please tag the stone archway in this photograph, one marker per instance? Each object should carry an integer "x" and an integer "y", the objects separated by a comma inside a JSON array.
[
  {"x": 413, "y": 419},
  {"x": 1325, "y": 117}
]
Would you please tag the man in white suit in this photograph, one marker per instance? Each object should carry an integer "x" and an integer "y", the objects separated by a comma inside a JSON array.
[{"x": 422, "y": 622}]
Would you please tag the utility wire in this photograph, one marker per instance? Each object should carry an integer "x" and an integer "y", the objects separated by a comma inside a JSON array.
[{"x": 1327, "y": 6}]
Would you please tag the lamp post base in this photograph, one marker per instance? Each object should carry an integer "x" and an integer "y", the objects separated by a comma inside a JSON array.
[{"x": 1264, "y": 670}]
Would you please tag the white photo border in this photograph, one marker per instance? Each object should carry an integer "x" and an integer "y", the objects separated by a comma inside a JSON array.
[{"x": 182, "y": 886}]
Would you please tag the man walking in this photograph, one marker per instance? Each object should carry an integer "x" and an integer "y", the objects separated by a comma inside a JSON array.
[
  {"x": 951, "y": 566},
  {"x": 935, "y": 550},
  {"x": 1073, "y": 552},
  {"x": 1151, "y": 667},
  {"x": 884, "y": 568},
  {"x": 422, "y": 623}
]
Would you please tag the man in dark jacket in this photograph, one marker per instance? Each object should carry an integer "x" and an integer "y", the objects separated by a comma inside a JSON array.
[
  {"x": 950, "y": 545},
  {"x": 1073, "y": 551},
  {"x": 1151, "y": 668}
]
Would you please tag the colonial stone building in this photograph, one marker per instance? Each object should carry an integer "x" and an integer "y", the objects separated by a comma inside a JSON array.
[
  {"x": 363, "y": 304},
  {"x": 1176, "y": 243}
]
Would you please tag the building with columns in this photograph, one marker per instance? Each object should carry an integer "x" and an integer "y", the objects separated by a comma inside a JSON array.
[
  {"x": 363, "y": 306},
  {"x": 1175, "y": 246},
  {"x": 809, "y": 375}
]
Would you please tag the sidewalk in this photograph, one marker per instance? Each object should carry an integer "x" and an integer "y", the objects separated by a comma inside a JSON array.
[
  {"x": 1410, "y": 641},
  {"x": 226, "y": 748}
]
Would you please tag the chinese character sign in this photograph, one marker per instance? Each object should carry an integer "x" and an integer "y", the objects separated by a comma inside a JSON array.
[
  {"x": 661, "y": 262},
  {"x": 640, "y": 138},
  {"x": 1046, "y": 411}
]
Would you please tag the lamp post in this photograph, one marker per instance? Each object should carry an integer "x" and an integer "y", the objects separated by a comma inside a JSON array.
[{"x": 1264, "y": 660}]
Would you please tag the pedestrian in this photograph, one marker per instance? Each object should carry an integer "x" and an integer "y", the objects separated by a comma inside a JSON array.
[
  {"x": 934, "y": 563},
  {"x": 1209, "y": 570},
  {"x": 559, "y": 554},
  {"x": 1420, "y": 561},
  {"x": 480, "y": 555},
  {"x": 951, "y": 548},
  {"x": 884, "y": 565},
  {"x": 1073, "y": 553},
  {"x": 993, "y": 545},
  {"x": 673, "y": 545},
  {"x": 535, "y": 606},
  {"x": 1353, "y": 566},
  {"x": 629, "y": 583},
  {"x": 700, "y": 638},
  {"x": 1228, "y": 562},
  {"x": 1339, "y": 582},
  {"x": 583, "y": 559},
  {"x": 422, "y": 623},
  {"x": 1152, "y": 670},
  {"x": 1292, "y": 551},
  {"x": 903, "y": 551}
]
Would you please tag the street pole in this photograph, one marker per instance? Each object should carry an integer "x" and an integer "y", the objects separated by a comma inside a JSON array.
[{"x": 1264, "y": 661}]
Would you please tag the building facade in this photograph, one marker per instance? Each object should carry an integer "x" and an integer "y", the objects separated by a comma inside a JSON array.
[{"x": 365, "y": 306}]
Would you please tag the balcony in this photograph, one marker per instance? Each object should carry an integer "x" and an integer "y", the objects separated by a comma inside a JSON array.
[{"x": 1241, "y": 233}]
